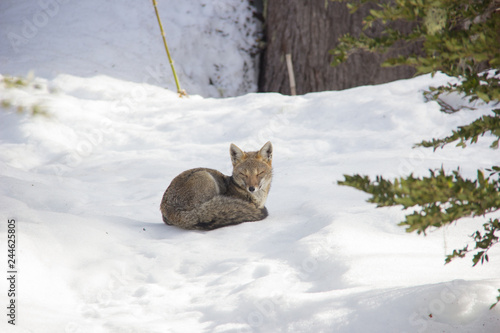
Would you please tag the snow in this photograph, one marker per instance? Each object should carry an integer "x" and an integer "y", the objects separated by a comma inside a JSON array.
[
  {"x": 210, "y": 41},
  {"x": 84, "y": 185}
]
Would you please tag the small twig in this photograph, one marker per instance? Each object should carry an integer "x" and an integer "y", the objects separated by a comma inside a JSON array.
[
  {"x": 180, "y": 91},
  {"x": 291, "y": 75}
]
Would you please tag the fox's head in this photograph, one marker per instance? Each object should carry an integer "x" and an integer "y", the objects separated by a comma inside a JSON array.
[{"x": 252, "y": 171}]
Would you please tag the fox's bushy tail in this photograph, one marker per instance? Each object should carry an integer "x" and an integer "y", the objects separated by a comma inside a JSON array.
[{"x": 218, "y": 212}]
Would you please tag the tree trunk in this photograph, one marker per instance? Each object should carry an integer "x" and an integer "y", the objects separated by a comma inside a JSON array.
[{"x": 308, "y": 30}]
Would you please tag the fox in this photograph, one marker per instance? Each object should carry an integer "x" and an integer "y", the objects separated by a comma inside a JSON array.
[{"x": 205, "y": 199}]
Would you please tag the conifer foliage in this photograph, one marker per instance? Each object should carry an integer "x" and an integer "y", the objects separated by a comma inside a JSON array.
[{"x": 460, "y": 38}]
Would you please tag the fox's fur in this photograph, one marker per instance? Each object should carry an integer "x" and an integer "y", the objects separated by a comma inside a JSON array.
[{"x": 205, "y": 199}]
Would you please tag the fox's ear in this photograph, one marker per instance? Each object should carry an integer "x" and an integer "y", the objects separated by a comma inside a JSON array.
[
  {"x": 266, "y": 152},
  {"x": 236, "y": 154}
]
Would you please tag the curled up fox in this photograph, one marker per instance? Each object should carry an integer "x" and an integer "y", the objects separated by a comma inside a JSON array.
[{"x": 205, "y": 199}]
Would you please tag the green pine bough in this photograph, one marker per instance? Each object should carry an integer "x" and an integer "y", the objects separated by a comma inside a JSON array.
[
  {"x": 471, "y": 133},
  {"x": 20, "y": 105},
  {"x": 460, "y": 38},
  {"x": 439, "y": 200},
  {"x": 457, "y": 37}
]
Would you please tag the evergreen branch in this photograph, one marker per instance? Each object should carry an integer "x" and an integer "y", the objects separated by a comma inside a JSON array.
[
  {"x": 438, "y": 200},
  {"x": 498, "y": 300},
  {"x": 470, "y": 133},
  {"x": 460, "y": 38},
  {"x": 21, "y": 106},
  {"x": 484, "y": 242}
]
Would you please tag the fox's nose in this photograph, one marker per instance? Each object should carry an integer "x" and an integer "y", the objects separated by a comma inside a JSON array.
[{"x": 251, "y": 188}]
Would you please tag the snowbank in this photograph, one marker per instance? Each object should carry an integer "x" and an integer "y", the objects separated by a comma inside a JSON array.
[{"x": 84, "y": 185}]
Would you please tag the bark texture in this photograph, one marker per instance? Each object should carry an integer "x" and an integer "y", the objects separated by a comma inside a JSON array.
[{"x": 308, "y": 30}]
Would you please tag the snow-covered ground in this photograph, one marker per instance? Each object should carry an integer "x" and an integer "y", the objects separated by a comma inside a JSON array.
[{"x": 85, "y": 182}]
